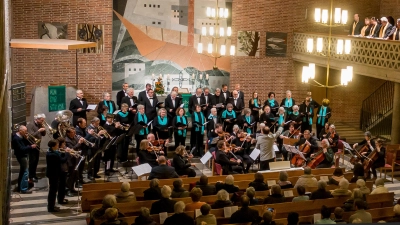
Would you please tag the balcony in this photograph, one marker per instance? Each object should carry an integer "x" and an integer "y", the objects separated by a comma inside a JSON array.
[{"x": 370, "y": 57}]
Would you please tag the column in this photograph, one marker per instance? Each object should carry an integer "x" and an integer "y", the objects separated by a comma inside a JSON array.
[{"x": 396, "y": 112}]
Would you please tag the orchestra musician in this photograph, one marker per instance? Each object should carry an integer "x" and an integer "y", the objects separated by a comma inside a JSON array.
[
  {"x": 222, "y": 158},
  {"x": 131, "y": 101},
  {"x": 307, "y": 140},
  {"x": 196, "y": 99},
  {"x": 157, "y": 143},
  {"x": 265, "y": 143},
  {"x": 296, "y": 117},
  {"x": 228, "y": 117},
  {"x": 78, "y": 106},
  {"x": 380, "y": 161},
  {"x": 172, "y": 103},
  {"x": 143, "y": 94},
  {"x": 77, "y": 144},
  {"x": 368, "y": 142},
  {"x": 160, "y": 124},
  {"x": 333, "y": 138},
  {"x": 207, "y": 98},
  {"x": 307, "y": 112},
  {"x": 113, "y": 131},
  {"x": 216, "y": 99},
  {"x": 243, "y": 151},
  {"x": 255, "y": 106},
  {"x": 69, "y": 175},
  {"x": 97, "y": 138},
  {"x": 108, "y": 103},
  {"x": 236, "y": 102},
  {"x": 141, "y": 127},
  {"x": 328, "y": 155},
  {"x": 291, "y": 133},
  {"x": 215, "y": 135},
  {"x": 22, "y": 147},
  {"x": 324, "y": 131},
  {"x": 235, "y": 132},
  {"x": 124, "y": 119},
  {"x": 248, "y": 121},
  {"x": 323, "y": 115},
  {"x": 122, "y": 93},
  {"x": 180, "y": 123},
  {"x": 54, "y": 159},
  {"x": 272, "y": 103},
  {"x": 225, "y": 93},
  {"x": 197, "y": 132},
  {"x": 37, "y": 130},
  {"x": 148, "y": 154},
  {"x": 81, "y": 131},
  {"x": 182, "y": 165},
  {"x": 288, "y": 103},
  {"x": 267, "y": 117}
]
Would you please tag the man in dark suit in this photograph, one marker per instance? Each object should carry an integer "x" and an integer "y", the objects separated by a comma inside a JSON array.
[
  {"x": 245, "y": 214},
  {"x": 238, "y": 104},
  {"x": 313, "y": 103},
  {"x": 386, "y": 28},
  {"x": 240, "y": 93},
  {"x": 163, "y": 171},
  {"x": 172, "y": 103},
  {"x": 122, "y": 93},
  {"x": 131, "y": 101},
  {"x": 375, "y": 28},
  {"x": 395, "y": 34},
  {"x": 150, "y": 105},
  {"x": 225, "y": 93},
  {"x": 196, "y": 99},
  {"x": 143, "y": 94},
  {"x": 78, "y": 107},
  {"x": 356, "y": 26},
  {"x": 208, "y": 99}
]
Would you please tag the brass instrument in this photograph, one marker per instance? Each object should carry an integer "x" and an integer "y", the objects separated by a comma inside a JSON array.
[
  {"x": 106, "y": 134},
  {"x": 32, "y": 140},
  {"x": 122, "y": 126},
  {"x": 72, "y": 152},
  {"x": 63, "y": 118},
  {"x": 51, "y": 130},
  {"x": 86, "y": 142}
]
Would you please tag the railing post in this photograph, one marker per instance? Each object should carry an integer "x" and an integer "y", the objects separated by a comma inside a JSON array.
[{"x": 395, "y": 136}]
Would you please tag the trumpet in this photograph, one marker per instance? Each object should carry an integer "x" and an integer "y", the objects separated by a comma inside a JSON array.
[
  {"x": 122, "y": 126},
  {"x": 86, "y": 142},
  {"x": 51, "y": 130},
  {"x": 32, "y": 140},
  {"x": 72, "y": 152},
  {"x": 106, "y": 134}
]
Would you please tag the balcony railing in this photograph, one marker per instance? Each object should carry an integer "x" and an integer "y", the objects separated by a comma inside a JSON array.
[{"x": 375, "y": 53}]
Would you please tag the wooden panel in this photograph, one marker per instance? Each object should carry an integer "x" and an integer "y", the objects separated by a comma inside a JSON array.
[{"x": 59, "y": 44}]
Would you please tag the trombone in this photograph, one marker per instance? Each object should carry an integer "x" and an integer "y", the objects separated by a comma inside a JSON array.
[
  {"x": 51, "y": 130},
  {"x": 34, "y": 141}
]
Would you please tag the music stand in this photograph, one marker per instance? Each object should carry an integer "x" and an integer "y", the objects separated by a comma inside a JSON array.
[{"x": 294, "y": 150}]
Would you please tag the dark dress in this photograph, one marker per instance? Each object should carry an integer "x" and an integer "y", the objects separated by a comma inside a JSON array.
[
  {"x": 162, "y": 205},
  {"x": 182, "y": 166},
  {"x": 255, "y": 106},
  {"x": 152, "y": 194}
]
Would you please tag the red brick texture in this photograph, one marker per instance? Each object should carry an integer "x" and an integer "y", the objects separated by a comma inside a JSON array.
[{"x": 38, "y": 67}]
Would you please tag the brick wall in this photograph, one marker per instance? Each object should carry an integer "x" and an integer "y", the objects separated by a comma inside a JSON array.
[
  {"x": 264, "y": 74},
  {"x": 44, "y": 67}
]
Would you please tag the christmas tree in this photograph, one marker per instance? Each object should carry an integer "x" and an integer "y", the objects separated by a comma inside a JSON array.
[{"x": 159, "y": 86}]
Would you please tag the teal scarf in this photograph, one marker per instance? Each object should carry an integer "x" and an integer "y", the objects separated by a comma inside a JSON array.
[
  {"x": 256, "y": 102},
  {"x": 143, "y": 118},
  {"x": 296, "y": 113},
  {"x": 281, "y": 119},
  {"x": 248, "y": 120},
  {"x": 110, "y": 106},
  {"x": 122, "y": 114},
  {"x": 211, "y": 116},
  {"x": 226, "y": 113},
  {"x": 271, "y": 102},
  {"x": 163, "y": 121},
  {"x": 309, "y": 119},
  {"x": 322, "y": 114},
  {"x": 199, "y": 120},
  {"x": 288, "y": 103},
  {"x": 103, "y": 117},
  {"x": 183, "y": 121}
]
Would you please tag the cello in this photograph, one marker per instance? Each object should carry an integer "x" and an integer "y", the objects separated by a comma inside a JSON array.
[
  {"x": 371, "y": 158},
  {"x": 297, "y": 161},
  {"x": 318, "y": 158},
  {"x": 357, "y": 156}
]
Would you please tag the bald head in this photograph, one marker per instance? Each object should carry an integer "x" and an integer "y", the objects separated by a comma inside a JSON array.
[{"x": 162, "y": 160}]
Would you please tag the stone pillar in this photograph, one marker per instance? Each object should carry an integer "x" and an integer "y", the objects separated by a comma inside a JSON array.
[{"x": 396, "y": 112}]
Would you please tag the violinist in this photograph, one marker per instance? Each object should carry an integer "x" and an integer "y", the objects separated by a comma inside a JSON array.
[
  {"x": 113, "y": 131},
  {"x": 307, "y": 140},
  {"x": 147, "y": 153},
  {"x": 323, "y": 115},
  {"x": 197, "y": 132},
  {"x": 288, "y": 103},
  {"x": 368, "y": 142},
  {"x": 255, "y": 106},
  {"x": 324, "y": 131},
  {"x": 160, "y": 143},
  {"x": 214, "y": 136},
  {"x": 222, "y": 158},
  {"x": 291, "y": 133},
  {"x": 229, "y": 118},
  {"x": 160, "y": 124},
  {"x": 272, "y": 103},
  {"x": 327, "y": 162},
  {"x": 380, "y": 161},
  {"x": 267, "y": 117},
  {"x": 180, "y": 123},
  {"x": 125, "y": 119},
  {"x": 307, "y": 112},
  {"x": 248, "y": 121},
  {"x": 333, "y": 138},
  {"x": 141, "y": 128},
  {"x": 242, "y": 150},
  {"x": 182, "y": 165},
  {"x": 296, "y": 117}
]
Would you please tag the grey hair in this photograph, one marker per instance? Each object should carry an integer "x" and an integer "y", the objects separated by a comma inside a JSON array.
[
  {"x": 288, "y": 91},
  {"x": 105, "y": 93},
  {"x": 295, "y": 107},
  {"x": 217, "y": 89},
  {"x": 39, "y": 116},
  {"x": 332, "y": 126},
  {"x": 321, "y": 184},
  {"x": 154, "y": 183},
  {"x": 109, "y": 201},
  {"x": 262, "y": 124},
  {"x": 129, "y": 90},
  {"x": 276, "y": 189},
  {"x": 344, "y": 183},
  {"x": 213, "y": 109},
  {"x": 380, "y": 182},
  {"x": 79, "y": 90},
  {"x": 179, "y": 207},
  {"x": 246, "y": 110},
  {"x": 250, "y": 192},
  {"x": 140, "y": 107},
  {"x": 360, "y": 183},
  {"x": 281, "y": 109},
  {"x": 160, "y": 110},
  {"x": 95, "y": 119},
  {"x": 229, "y": 180},
  {"x": 22, "y": 127},
  {"x": 235, "y": 126},
  {"x": 368, "y": 134},
  {"x": 166, "y": 191},
  {"x": 174, "y": 93},
  {"x": 307, "y": 170},
  {"x": 222, "y": 195},
  {"x": 326, "y": 142}
]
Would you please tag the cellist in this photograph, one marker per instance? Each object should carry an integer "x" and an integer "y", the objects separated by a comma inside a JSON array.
[
  {"x": 368, "y": 142},
  {"x": 307, "y": 140},
  {"x": 327, "y": 154},
  {"x": 380, "y": 161}
]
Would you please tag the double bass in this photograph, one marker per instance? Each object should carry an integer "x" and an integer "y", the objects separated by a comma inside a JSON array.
[{"x": 317, "y": 159}]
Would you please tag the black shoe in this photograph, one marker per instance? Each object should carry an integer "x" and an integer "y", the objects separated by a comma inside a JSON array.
[
  {"x": 55, "y": 209},
  {"x": 63, "y": 202},
  {"x": 69, "y": 194},
  {"x": 26, "y": 192},
  {"x": 97, "y": 176}
]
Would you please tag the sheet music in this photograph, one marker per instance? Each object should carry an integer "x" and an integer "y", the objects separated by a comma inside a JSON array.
[
  {"x": 324, "y": 178},
  {"x": 271, "y": 182},
  {"x": 219, "y": 105},
  {"x": 206, "y": 122},
  {"x": 255, "y": 153},
  {"x": 275, "y": 147},
  {"x": 148, "y": 124},
  {"x": 288, "y": 193},
  {"x": 91, "y": 107},
  {"x": 197, "y": 213},
  {"x": 142, "y": 169},
  {"x": 205, "y": 158},
  {"x": 227, "y": 212},
  {"x": 182, "y": 105},
  {"x": 163, "y": 217},
  {"x": 294, "y": 150},
  {"x": 116, "y": 111}
]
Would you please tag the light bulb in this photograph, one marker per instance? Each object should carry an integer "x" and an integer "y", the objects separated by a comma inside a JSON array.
[
  {"x": 345, "y": 16},
  {"x": 305, "y": 75},
  {"x": 208, "y": 12},
  {"x": 223, "y": 49},
  {"x": 232, "y": 50},
  {"x": 226, "y": 13},
  {"x": 221, "y": 31},
  {"x": 317, "y": 15},
  {"x": 213, "y": 12},
  {"x": 228, "y": 31},
  {"x": 350, "y": 73},
  {"x": 310, "y": 45},
  {"x": 311, "y": 70},
  {"x": 209, "y": 49},
  {"x": 343, "y": 79},
  {"x": 347, "y": 46},
  {"x": 221, "y": 13},
  {"x": 199, "y": 48}
]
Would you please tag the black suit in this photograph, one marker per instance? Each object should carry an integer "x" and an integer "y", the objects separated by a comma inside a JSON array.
[
  {"x": 208, "y": 101},
  {"x": 228, "y": 94},
  {"x": 244, "y": 215},
  {"x": 375, "y": 33},
  {"x": 357, "y": 28},
  {"x": 150, "y": 109},
  {"x": 142, "y": 96},
  {"x": 387, "y": 31},
  {"x": 193, "y": 101},
  {"x": 163, "y": 172},
  {"x": 120, "y": 95},
  {"x": 228, "y": 167},
  {"x": 211, "y": 124},
  {"x": 169, "y": 104},
  {"x": 162, "y": 205},
  {"x": 74, "y": 106},
  {"x": 241, "y": 95},
  {"x": 238, "y": 107},
  {"x": 54, "y": 173},
  {"x": 127, "y": 100},
  {"x": 217, "y": 100}
]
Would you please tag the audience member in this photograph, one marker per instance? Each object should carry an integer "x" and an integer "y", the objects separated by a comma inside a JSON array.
[
  {"x": 154, "y": 192},
  {"x": 195, "y": 194},
  {"x": 276, "y": 195},
  {"x": 325, "y": 216},
  {"x": 179, "y": 191},
  {"x": 348, "y": 205},
  {"x": 165, "y": 204},
  {"x": 357, "y": 220},
  {"x": 162, "y": 171},
  {"x": 361, "y": 214},
  {"x": 343, "y": 189},
  {"x": 245, "y": 214},
  {"x": 307, "y": 180},
  {"x": 228, "y": 185},
  {"x": 283, "y": 180},
  {"x": 111, "y": 215},
  {"x": 396, "y": 218},
  {"x": 302, "y": 194},
  {"x": 144, "y": 217},
  {"x": 109, "y": 201},
  {"x": 363, "y": 188},
  {"x": 222, "y": 200},
  {"x": 125, "y": 195},
  {"x": 251, "y": 193},
  {"x": 268, "y": 217},
  {"x": 337, "y": 176},
  {"x": 180, "y": 217},
  {"x": 338, "y": 212},
  {"x": 205, "y": 187},
  {"x": 321, "y": 192},
  {"x": 258, "y": 183},
  {"x": 206, "y": 217},
  {"x": 358, "y": 173},
  {"x": 293, "y": 218},
  {"x": 380, "y": 187}
]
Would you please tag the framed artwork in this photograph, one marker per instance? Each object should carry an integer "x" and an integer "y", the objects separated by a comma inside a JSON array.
[
  {"x": 53, "y": 30},
  {"x": 276, "y": 44},
  {"x": 91, "y": 33},
  {"x": 248, "y": 43}
]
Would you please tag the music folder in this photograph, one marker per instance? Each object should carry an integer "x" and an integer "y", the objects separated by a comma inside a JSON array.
[
  {"x": 219, "y": 105},
  {"x": 160, "y": 103},
  {"x": 255, "y": 153},
  {"x": 205, "y": 158},
  {"x": 91, "y": 107},
  {"x": 182, "y": 105},
  {"x": 142, "y": 169},
  {"x": 294, "y": 150}
]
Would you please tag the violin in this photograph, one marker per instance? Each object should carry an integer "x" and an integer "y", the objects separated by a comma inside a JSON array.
[
  {"x": 358, "y": 154},
  {"x": 153, "y": 148},
  {"x": 158, "y": 142}
]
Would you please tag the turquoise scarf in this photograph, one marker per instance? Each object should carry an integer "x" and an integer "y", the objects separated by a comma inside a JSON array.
[
  {"x": 143, "y": 118},
  {"x": 288, "y": 103},
  {"x": 210, "y": 117},
  {"x": 248, "y": 120},
  {"x": 322, "y": 114},
  {"x": 227, "y": 113},
  {"x": 309, "y": 119},
  {"x": 271, "y": 102},
  {"x": 183, "y": 121},
  {"x": 122, "y": 114},
  {"x": 256, "y": 102},
  {"x": 103, "y": 117},
  {"x": 201, "y": 121},
  {"x": 163, "y": 121},
  {"x": 281, "y": 119},
  {"x": 296, "y": 113},
  {"x": 110, "y": 106}
]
